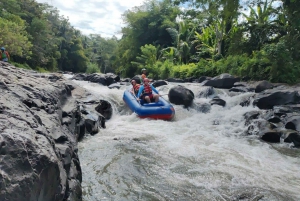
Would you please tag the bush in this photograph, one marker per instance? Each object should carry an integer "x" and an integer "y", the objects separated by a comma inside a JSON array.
[
  {"x": 92, "y": 68},
  {"x": 19, "y": 65}
]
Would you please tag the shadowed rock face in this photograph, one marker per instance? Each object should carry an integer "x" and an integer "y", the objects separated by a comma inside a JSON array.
[{"x": 38, "y": 137}]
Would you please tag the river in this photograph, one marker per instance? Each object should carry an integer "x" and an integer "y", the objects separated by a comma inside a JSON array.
[{"x": 197, "y": 156}]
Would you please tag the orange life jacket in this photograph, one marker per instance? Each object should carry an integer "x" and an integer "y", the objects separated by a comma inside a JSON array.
[
  {"x": 147, "y": 89},
  {"x": 136, "y": 88}
]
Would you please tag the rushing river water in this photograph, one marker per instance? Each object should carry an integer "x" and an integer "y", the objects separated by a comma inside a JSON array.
[{"x": 197, "y": 156}]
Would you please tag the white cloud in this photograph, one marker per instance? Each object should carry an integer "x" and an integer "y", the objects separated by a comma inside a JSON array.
[{"x": 95, "y": 16}]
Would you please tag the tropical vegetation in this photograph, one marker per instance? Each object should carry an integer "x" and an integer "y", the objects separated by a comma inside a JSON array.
[{"x": 258, "y": 39}]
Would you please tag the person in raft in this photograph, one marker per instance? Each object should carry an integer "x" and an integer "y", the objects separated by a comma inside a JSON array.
[
  {"x": 135, "y": 87},
  {"x": 145, "y": 92},
  {"x": 4, "y": 55},
  {"x": 144, "y": 73}
]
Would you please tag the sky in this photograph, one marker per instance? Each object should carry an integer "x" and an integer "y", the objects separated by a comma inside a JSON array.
[{"x": 95, "y": 16}]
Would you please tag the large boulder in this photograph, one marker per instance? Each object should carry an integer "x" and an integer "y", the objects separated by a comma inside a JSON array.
[
  {"x": 224, "y": 81},
  {"x": 180, "y": 95},
  {"x": 268, "y": 100}
]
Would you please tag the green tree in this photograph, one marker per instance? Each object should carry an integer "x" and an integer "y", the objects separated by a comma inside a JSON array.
[{"x": 15, "y": 38}]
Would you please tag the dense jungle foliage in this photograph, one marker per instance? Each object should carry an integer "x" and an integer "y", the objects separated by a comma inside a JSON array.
[{"x": 259, "y": 39}]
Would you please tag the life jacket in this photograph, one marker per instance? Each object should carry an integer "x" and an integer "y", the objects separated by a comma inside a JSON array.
[
  {"x": 4, "y": 55},
  {"x": 147, "y": 89},
  {"x": 136, "y": 88},
  {"x": 143, "y": 76}
]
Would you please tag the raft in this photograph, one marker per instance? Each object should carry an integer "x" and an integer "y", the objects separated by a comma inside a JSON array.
[{"x": 160, "y": 110}]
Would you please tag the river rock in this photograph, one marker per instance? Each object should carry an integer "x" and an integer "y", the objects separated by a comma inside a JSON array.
[
  {"x": 294, "y": 137},
  {"x": 97, "y": 78},
  {"x": 268, "y": 100},
  {"x": 175, "y": 80},
  {"x": 224, "y": 81},
  {"x": 265, "y": 130},
  {"x": 203, "y": 78},
  {"x": 263, "y": 85},
  {"x": 180, "y": 95},
  {"x": 80, "y": 76},
  {"x": 93, "y": 122},
  {"x": 38, "y": 137},
  {"x": 111, "y": 78},
  {"x": 206, "y": 92},
  {"x": 190, "y": 79},
  {"x": 292, "y": 121},
  {"x": 115, "y": 86},
  {"x": 125, "y": 80},
  {"x": 159, "y": 83},
  {"x": 218, "y": 101},
  {"x": 104, "y": 108},
  {"x": 249, "y": 116}
]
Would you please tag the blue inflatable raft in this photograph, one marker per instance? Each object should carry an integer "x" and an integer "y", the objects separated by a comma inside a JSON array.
[{"x": 160, "y": 110}]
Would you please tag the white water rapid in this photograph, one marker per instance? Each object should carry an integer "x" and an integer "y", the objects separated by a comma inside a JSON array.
[{"x": 197, "y": 156}]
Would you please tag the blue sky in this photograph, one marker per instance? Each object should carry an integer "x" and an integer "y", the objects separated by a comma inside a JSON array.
[{"x": 95, "y": 16}]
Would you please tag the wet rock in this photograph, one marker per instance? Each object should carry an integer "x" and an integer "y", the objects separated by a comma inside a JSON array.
[
  {"x": 224, "y": 81},
  {"x": 240, "y": 89},
  {"x": 159, "y": 83},
  {"x": 218, "y": 101},
  {"x": 180, "y": 95},
  {"x": 206, "y": 92},
  {"x": 115, "y": 86},
  {"x": 202, "y": 107},
  {"x": 263, "y": 85},
  {"x": 284, "y": 109},
  {"x": 81, "y": 129},
  {"x": 104, "y": 108},
  {"x": 272, "y": 98},
  {"x": 80, "y": 76},
  {"x": 292, "y": 121},
  {"x": 93, "y": 122},
  {"x": 97, "y": 78},
  {"x": 294, "y": 138},
  {"x": 203, "y": 78},
  {"x": 190, "y": 79},
  {"x": 274, "y": 119},
  {"x": 249, "y": 116},
  {"x": 125, "y": 80},
  {"x": 111, "y": 78},
  {"x": 265, "y": 130},
  {"x": 240, "y": 84},
  {"x": 175, "y": 80}
]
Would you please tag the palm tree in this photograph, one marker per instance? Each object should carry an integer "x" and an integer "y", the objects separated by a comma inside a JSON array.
[
  {"x": 181, "y": 40},
  {"x": 260, "y": 25}
]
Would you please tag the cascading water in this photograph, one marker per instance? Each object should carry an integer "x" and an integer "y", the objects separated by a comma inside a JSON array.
[{"x": 197, "y": 156}]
